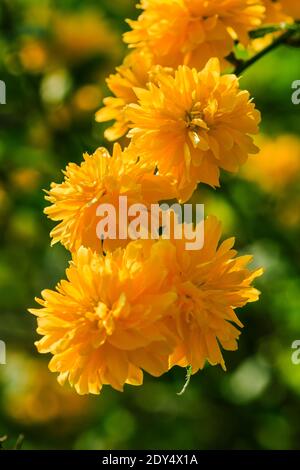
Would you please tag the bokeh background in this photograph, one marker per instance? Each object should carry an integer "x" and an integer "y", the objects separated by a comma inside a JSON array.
[{"x": 54, "y": 57}]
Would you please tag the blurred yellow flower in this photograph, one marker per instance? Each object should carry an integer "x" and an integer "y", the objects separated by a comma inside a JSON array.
[
  {"x": 288, "y": 212},
  {"x": 34, "y": 55},
  {"x": 71, "y": 37},
  {"x": 190, "y": 32},
  {"x": 32, "y": 397},
  {"x": 277, "y": 165},
  {"x": 25, "y": 179},
  {"x": 87, "y": 98},
  {"x": 107, "y": 322},
  {"x": 134, "y": 72},
  {"x": 4, "y": 199},
  {"x": 101, "y": 179},
  {"x": 210, "y": 283},
  {"x": 192, "y": 124},
  {"x": 60, "y": 117},
  {"x": 83, "y": 34}
]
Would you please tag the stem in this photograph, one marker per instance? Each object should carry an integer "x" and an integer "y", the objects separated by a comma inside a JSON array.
[
  {"x": 187, "y": 380},
  {"x": 279, "y": 41},
  {"x": 275, "y": 28}
]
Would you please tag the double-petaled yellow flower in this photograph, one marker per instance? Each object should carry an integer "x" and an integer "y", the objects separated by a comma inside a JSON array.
[
  {"x": 190, "y": 32},
  {"x": 210, "y": 284},
  {"x": 101, "y": 179},
  {"x": 108, "y": 322},
  {"x": 193, "y": 124}
]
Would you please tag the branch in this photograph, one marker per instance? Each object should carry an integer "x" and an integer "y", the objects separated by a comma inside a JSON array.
[
  {"x": 283, "y": 39},
  {"x": 273, "y": 28}
]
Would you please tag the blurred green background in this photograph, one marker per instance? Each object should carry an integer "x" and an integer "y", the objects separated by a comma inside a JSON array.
[{"x": 54, "y": 57}]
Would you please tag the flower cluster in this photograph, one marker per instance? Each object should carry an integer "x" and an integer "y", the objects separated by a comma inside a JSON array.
[
  {"x": 170, "y": 33},
  {"x": 146, "y": 305}
]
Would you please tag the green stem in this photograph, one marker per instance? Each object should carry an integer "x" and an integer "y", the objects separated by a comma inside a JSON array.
[
  {"x": 283, "y": 39},
  {"x": 275, "y": 28},
  {"x": 187, "y": 380}
]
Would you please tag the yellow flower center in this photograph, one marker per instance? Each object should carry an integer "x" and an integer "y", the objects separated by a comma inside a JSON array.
[
  {"x": 107, "y": 320},
  {"x": 103, "y": 318},
  {"x": 195, "y": 123},
  {"x": 106, "y": 317},
  {"x": 191, "y": 302}
]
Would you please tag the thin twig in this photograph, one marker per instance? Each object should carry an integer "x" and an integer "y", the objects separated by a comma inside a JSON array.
[
  {"x": 277, "y": 42},
  {"x": 273, "y": 28},
  {"x": 187, "y": 380}
]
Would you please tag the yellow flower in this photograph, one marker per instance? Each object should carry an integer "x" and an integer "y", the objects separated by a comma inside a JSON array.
[
  {"x": 192, "y": 124},
  {"x": 291, "y": 7},
  {"x": 101, "y": 179},
  {"x": 134, "y": 72},
  {"x": 107, "y": 322},
  {"x": 25, "y": 179},
  {"x": 277, "y": 165},
  {"x": 210, "y": 283},
  {"x": 274, "y": 13},
  {"x": 34, "y": 55},
  {"x": 191, "y": 31}
]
